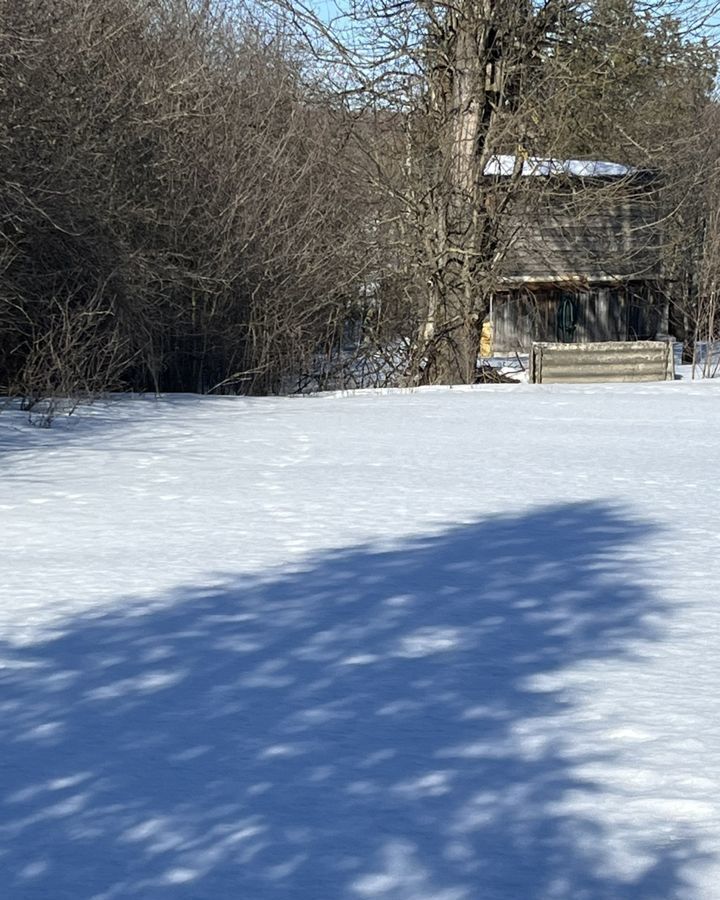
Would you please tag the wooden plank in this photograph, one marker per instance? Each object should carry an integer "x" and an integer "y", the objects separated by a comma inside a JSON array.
[
  {"x": 608, "y": 378},
  {"x": 657, "y": 368},
  {"x": 604, "y": 359}
]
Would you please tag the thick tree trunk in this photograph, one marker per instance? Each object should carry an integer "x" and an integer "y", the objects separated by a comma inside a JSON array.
[{"x": 459, "y": 229}]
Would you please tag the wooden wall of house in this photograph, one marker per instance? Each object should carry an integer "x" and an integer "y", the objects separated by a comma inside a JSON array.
[
  {"x": 602, "y": 313},
  {"x": 594, "y": 229}
]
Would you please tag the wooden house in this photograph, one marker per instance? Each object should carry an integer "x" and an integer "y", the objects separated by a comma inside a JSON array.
[{"x": 581, "y": 259}]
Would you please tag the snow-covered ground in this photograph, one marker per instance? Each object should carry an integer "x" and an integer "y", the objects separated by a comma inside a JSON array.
[{"x": 450, "y": 644}]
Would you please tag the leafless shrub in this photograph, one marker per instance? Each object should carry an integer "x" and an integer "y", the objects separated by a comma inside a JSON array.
[{"x": 170, "y": 168}]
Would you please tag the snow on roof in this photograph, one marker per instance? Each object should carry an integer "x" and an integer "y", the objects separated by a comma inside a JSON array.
[{"x": 504, "y": 164}]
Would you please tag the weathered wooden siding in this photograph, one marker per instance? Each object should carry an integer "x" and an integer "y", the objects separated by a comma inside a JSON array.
[
  {"x": 602, "y": 313},
  {"x": 606, "y": 361},
  {"x": 587, "y": 230}
]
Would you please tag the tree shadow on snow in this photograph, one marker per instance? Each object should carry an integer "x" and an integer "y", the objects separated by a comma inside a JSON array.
[{"x": 374, "y": 726}]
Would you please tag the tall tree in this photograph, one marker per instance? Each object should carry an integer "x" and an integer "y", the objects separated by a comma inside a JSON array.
[{"x": 465, "y": 83}]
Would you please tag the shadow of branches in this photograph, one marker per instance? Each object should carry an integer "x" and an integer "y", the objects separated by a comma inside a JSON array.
[{"x": 351, "y": 730}]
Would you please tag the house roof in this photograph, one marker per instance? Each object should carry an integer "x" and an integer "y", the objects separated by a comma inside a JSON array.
[{"x": 504, "y": 164}]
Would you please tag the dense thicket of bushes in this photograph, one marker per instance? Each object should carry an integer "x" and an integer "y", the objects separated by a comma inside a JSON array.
[{"x": 176, "y": 209}]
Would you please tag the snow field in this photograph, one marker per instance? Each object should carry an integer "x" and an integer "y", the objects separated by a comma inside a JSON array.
[{"x": 445, "y": 644}]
